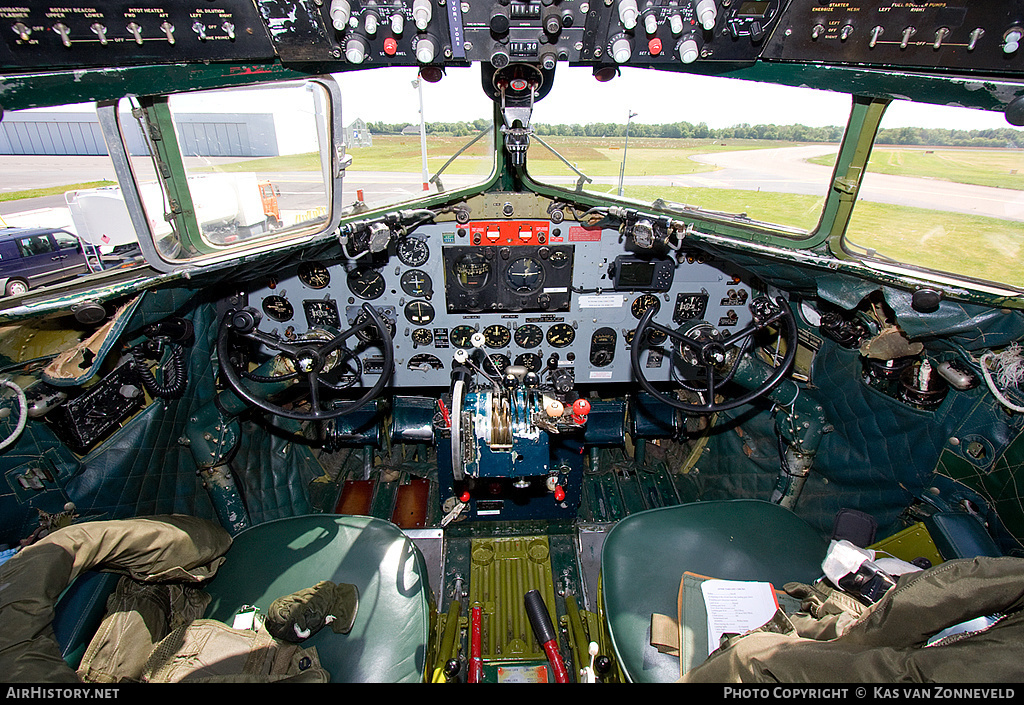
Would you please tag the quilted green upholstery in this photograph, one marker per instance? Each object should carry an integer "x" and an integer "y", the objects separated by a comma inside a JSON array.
[
  {"x": 388, "y": 642},
  {"x": 646, "y": 554}
]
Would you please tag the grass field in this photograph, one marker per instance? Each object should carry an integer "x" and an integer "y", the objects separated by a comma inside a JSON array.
[
  {"x": 51, "y": 191},
  {"x": 981, "y": 247},
  {"x": 1001, "y": 168},
  {"x": 594, "y": 156}
]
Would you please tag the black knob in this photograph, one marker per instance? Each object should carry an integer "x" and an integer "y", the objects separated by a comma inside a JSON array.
[
  {"x": 552, "y": 24},
  {"x": 926, "y": 300},
  {"x": 499, "y": 23},
  {"x": 245, "y": 320}
]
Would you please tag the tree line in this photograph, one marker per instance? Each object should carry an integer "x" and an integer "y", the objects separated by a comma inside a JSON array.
[{"x": 1005, "y": 137}]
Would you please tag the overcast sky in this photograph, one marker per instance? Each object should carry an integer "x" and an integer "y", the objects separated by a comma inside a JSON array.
[{"x": 657, "y": 97}]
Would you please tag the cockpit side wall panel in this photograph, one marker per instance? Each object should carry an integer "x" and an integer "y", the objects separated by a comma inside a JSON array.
[{"x": 144, "y": 468}]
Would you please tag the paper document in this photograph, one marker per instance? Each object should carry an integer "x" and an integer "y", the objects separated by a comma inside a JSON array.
[{"x": 736, "y": 607}]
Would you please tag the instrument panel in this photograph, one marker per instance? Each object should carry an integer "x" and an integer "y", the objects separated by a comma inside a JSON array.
[
  {"x": 559, "y": 299},
  {"x": 958, "y": 37}
]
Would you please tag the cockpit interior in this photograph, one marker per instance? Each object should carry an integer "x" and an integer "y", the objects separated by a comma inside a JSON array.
[{"x": 529, "y": 323}]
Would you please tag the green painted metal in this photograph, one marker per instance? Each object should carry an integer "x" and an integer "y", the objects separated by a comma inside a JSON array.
[{"x": 163, "y": 140}]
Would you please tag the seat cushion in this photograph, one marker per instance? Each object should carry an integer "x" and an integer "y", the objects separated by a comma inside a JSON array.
[
  {"x": 388, "y": 641},
  {"x": 646, "y": 554}
]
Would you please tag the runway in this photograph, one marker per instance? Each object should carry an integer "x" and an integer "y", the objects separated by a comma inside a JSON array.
[{"x": 782, "y": 170}]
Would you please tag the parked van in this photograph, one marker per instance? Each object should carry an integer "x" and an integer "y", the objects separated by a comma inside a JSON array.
[{"x": 32, "y": 257}]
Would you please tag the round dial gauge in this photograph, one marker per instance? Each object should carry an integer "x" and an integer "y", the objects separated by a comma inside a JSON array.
[
  {"x": 497, "y": 336},
  {"x": 321, "y": 313},
  {"x": 472, "y": 270},
  {"x": 370, "y": 334},
  {"x": 561, "y": 335},
  {"x": 417, "y": 283},
  {"x": 529, "y": 336},
  {"x": 642, "y": 303},
  {"x": 524, "y": 275},
  {"x": 654, "y": 337},
  {"x": 531, "y": 361},
  {"x": 278, "y": 308},
  {"x": 366, "y": 283},
  {"x": 314, "y": 275},
  {"x": 460, "y": 336},
  {"x": 496, "y": 364},
  {"x": 412, "y": 251},
  {"x": 419, "y": 313},
  {"x": 422, "y": 336}
]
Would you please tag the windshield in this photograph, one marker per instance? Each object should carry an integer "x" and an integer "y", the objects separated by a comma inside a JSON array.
[
  {"x": 703, "y": 142},
  {"x": 409, "y": 137},
  {"x": 944, "y": 189}
]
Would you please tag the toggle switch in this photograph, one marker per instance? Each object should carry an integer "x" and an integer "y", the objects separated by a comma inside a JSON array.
[
  {"x": 136, "y": 31},
  {"x": 64, "y": 31},
  {"x": 101, "y": 32}
]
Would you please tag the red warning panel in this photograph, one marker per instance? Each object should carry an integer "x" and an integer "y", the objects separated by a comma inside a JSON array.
[{"x": 508, "y": 232}]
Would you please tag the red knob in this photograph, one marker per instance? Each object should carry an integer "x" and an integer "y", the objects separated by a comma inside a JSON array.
[
  {"x": 559, "y": 494},
  {"x": 580, "y": 409},
  {"x": 464, "y": 497}
]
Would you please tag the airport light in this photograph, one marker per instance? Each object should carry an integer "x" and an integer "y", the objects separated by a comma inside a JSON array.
[
  {"x": 622, "y": 169},
  {"x": 418, "y": 84}
]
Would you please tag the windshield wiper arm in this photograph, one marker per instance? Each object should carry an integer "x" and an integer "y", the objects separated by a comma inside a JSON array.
[
  {"x": 436, "y": 178},
  {"x": 584, "y": 179}
]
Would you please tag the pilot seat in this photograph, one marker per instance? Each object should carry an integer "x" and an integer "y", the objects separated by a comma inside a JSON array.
[{"x": 646, "y": 554}]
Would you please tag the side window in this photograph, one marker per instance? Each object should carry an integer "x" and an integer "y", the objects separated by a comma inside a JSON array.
[
  {"x": 65, "y": 240},
  {"x": 35, "y": 245}
]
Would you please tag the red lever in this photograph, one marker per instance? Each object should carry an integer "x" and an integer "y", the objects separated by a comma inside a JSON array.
[{"x": 476, "y": 663}]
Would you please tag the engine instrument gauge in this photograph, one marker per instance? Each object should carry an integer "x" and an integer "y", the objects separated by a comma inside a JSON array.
[
  {"x": 314, "y": 275},
  {"x": 278, "y": 308},
  {"x": 322, "y": 312},
  {"x": 531, "y": 361},
  {"x": 417, "y": 283},
  {"x": 366, "y": 283},
  {"x": 419, "y": 313},
  {"x": 524, "y": 275},
  {"x": 497, "y": 336},
  {"x": 529, "y": 336},
  {"x": 460, "y": 336},
  {"x": 642, "y": 303},
  {"x": 412, "y": 251},
  {"x": 560, "y": 335},
  {"x": 472, "y": 270},
  {"x": 422, "y": 336}
]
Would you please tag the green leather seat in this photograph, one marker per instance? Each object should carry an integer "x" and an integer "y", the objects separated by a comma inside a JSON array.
[
  {"x": 646, "y": 554},
  {"x": 388, "y": 642}
]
